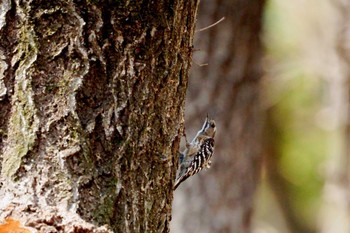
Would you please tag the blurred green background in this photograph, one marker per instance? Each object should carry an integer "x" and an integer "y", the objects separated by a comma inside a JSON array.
[{"x": 306, "y": 98}]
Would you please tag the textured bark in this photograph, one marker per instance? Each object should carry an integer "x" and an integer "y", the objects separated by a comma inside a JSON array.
[
  {"x": 228, "y": 89},
  {"x": 92, "y": 99}
]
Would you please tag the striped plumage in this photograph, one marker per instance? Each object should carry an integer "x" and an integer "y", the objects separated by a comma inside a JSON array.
[{"x": 198, "y": 161}]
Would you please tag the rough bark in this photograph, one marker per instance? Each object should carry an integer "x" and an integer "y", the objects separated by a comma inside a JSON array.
[
  {"x": 92, "y": 99},
  {"x": 228, "y": 89}
]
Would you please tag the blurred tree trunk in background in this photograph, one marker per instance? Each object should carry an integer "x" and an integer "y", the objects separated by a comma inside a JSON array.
[
  {"x": 280, "y": 186},
  {"x": 335, "y": 212},
  {"x": 228, "y": 89},
  {"x": 92, "y": 97}
]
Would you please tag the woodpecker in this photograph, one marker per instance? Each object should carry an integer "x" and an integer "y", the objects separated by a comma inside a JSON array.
[{"x": 198, "y": 153}]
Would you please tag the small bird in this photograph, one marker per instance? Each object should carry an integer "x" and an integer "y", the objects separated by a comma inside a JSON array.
[{"x": 198, "y": 153}]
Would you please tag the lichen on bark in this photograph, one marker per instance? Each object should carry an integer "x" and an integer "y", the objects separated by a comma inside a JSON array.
[{"x": 23, "y": 123}]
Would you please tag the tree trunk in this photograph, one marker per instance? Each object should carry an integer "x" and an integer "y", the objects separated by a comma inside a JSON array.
[
  {"x": 92, "y": 100},
  {"x": 335, "y": 211},
  {"x": 228, "y": 89}
]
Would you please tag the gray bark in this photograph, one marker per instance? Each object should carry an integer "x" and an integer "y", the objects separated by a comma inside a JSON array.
[{"x": 92, "y": 100}]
